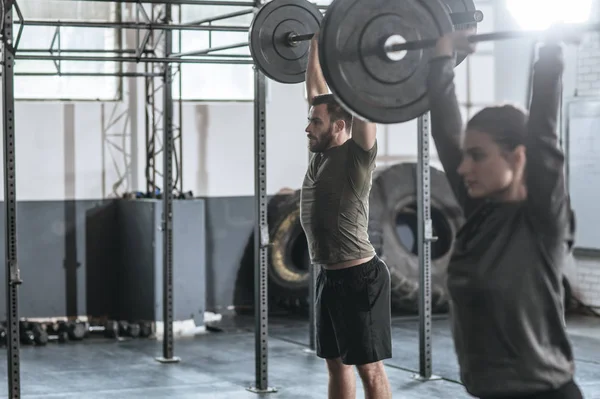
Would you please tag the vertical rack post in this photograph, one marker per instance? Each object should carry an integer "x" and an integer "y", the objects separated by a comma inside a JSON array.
[
  {"x": 167, "y": 218},
  {"x": 180, "y": 103},
  {"x": 10, "y": 205},
  {"x": 425, "y": 237},
  {"x": 312, "y": 299},
  {"x": 261, "y": 239},
  {"x": 312, "y": 294}
]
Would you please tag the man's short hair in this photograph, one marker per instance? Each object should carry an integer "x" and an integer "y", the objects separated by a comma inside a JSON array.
[{"x": 336, "y": 111}]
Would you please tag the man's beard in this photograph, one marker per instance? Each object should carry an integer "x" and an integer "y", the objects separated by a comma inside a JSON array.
[{"x": 322, "y": 142}]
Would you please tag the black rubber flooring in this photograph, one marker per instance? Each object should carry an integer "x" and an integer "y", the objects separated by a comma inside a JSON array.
[{"x": 221, "y": 365}]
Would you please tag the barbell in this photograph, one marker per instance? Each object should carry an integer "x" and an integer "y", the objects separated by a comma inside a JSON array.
[
  {"x": 359, "y": 49},
  {"x": 374, "y": 54}
]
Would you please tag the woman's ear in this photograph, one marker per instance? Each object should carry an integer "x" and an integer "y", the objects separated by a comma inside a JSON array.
[{"x": 520, "y": 156}]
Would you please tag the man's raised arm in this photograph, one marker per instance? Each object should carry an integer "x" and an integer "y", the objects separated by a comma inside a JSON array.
[
  {"x": 363, "y": 133},
  {"x": 315, "y": 81}
]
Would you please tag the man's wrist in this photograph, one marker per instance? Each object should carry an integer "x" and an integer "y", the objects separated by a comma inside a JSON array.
[{"x": 444, "y": 49}]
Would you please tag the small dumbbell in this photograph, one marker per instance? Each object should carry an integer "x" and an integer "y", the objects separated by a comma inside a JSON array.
[
  {"x": 76, "y": 330},
  {"x": 2, "y": 335},
  {"x": 129, "y": 329},
  {"x": 110, "y": 329},
  {"x": 40, "y": 336},
  {"x": 145, "y": 329},
  {"x": 25, "y": 334},
  {"x": 32, "y": 333},
  {"x": 57, "y": 332}
]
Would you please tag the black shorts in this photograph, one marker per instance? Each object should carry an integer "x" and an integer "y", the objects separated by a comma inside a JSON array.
[{"x": 353, "y": 313}]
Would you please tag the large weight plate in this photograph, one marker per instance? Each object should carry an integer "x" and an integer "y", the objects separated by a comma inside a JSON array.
[
  {"x": 268, "y": 38},
  {"x": 460, "y": 6},
  {"x": 359, "y": 74}
]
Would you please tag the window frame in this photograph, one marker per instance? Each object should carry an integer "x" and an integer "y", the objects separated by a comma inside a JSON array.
[
  {"x": 180, "y": 77},
  {"x": 119, "y": 80}
]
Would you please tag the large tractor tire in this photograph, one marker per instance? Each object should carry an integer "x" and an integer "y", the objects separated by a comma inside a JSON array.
[
  {"x": 289, "y": 261},
  {"x": 393, "y": 232}
]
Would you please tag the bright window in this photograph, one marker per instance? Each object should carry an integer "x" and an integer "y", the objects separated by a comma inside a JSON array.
[
  {"x": 218, "y": 82},
  {"x": 38, "y": 40},
  {"x": 541, "y": 14}
]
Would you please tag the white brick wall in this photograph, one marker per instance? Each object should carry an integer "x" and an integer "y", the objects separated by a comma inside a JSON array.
[
  {"x": 588, "y": 62},
  {"x": 588, "y": 66},
  {"x": 587, "y": 287}
]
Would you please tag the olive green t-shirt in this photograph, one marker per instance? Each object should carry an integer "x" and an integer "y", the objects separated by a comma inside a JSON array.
[{"x": 334, "y": 203}]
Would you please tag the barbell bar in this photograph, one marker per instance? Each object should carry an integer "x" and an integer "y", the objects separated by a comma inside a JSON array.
[
  {"x": 463, "y": 18},
  {"x": 502, "y": 35}
]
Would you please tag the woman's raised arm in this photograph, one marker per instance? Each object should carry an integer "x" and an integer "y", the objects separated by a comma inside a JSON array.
[
  {"x": 546, "y": 190},
  {"x": 446, "y": 119}
]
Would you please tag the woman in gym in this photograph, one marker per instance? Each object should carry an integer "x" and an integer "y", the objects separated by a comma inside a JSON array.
[{"x": 505, "y": 276}]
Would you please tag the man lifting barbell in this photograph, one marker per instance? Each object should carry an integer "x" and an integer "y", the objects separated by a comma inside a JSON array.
[
  {"x": 353, "y": 309},
  {"x": 505, "y": 276}
]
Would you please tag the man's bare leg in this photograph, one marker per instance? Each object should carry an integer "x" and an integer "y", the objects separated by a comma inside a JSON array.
[
  {"x": 375, "y": 381},
  {"x": 342, "y": 381}
]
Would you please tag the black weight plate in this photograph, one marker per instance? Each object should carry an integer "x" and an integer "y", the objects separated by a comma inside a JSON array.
[
  {"x": 358, "y": 72},
  {"x": 268, "y": 34},
  {"x": 460, "y": 6}
]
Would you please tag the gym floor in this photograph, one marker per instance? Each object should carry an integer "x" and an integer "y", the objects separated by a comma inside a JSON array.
[{"x": 220, "y": 364}]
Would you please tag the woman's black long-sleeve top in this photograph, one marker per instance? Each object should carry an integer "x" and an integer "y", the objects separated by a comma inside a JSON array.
[{"x": 505, "y": 275}]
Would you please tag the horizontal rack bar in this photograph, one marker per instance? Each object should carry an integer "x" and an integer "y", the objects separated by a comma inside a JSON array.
[
  {"x": 92, "y": 74},
  {"x": 222, "y": 17},
  {"x": 133, "y": 25},
  {"x": 212, "y": 60},
  {"x": 131, "y": 51},
  {"x": 188, "y": 2},
  {"x": 209, "y": 50},
  {"x": 178, "y": 2},
  {"x": 74, "y": 51}
]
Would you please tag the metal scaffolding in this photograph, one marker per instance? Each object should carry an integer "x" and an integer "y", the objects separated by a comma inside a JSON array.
[
  {"x": 154, "y": 86},
  {"x": 154, "y": 48}
]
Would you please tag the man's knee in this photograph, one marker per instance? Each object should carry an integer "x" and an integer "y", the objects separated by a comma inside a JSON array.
[
  {"x": 372, "y": 373},
  {"x": 337, "y": 368}
]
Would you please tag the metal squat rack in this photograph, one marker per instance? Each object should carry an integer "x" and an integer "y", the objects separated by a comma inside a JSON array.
[
  {"x": 9, "y": 55},
  {"x": 144, "y": 53}
]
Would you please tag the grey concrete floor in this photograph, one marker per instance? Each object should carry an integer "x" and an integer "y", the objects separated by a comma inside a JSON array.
[{"x": 221, "y": 365}]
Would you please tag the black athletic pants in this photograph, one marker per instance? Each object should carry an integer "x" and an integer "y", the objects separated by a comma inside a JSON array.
[
  {"x": 353, "y": 313},
  {"x": 567, "y": 391}
]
